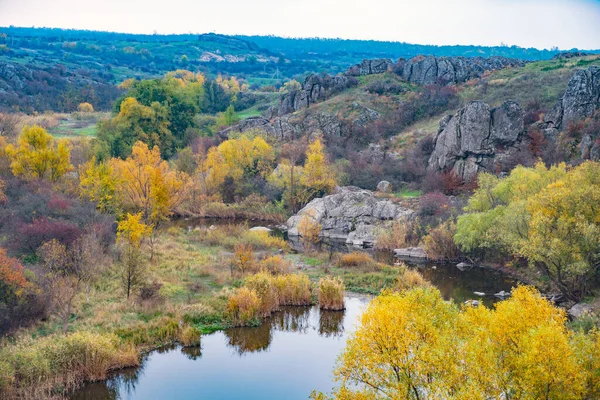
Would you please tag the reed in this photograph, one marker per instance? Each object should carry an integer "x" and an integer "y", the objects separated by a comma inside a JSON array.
[
  {"x": 293, "y": 289},
  {"x": 243, "y": 307},
  {"x": 331, "y": 293}
]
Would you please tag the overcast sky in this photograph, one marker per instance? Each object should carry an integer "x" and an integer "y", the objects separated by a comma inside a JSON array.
[{"x": 527, "y": 23}]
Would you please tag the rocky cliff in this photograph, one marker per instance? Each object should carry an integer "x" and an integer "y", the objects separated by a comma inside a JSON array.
[
  {"x": 351, "y": 214},
  {"x": 580, "y": 100},
  {"x": 475, "y": 136},
  {"x": 370, "y": 67},
  {"x": 314, "y": 89},
  {"x": 428, "y": 70}
]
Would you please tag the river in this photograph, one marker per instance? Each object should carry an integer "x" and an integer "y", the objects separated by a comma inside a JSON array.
[{"x": 288, "y": 356}]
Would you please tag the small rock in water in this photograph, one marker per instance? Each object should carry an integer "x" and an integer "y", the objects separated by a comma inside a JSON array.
[
  {"x": 260, "y": 229},
  {"x": 473, "y": 303},
  {"x": 480, "y": 294},
  {"x": 502, "y": 294},
  {"x": 434, "y": 267},
  {"x": 212, "y": 227},
  {"x": 463, "y": 266}
]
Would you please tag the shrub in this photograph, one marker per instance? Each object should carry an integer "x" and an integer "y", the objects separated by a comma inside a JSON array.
[
  {"x": 439, "y": 242},
  {"x": 242, "y": 261},
  {"x": 262, "y": 284},
  {"x": 243, "y": 307},
  {"x": 39, "y": 366},
  {"x": 433, "y": 204},
  {"x": 409, "y": 278},
  {"x": 189, "y": 336},
  {"x": 309, "y": 229},
  {"x": 276, "y": 265},
  {"x": 355, "y": 259},
  {"x": 331, "y": 293},
  {"x": 400, "y": 234},
  {"x": 293, "y": 289}
]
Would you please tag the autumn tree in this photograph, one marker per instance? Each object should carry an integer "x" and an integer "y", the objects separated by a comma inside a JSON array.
[
  {"x": 13, "y": 285},
  {"x": 97, "y": 184},
  {"x": 318, "y": 176},
  {"x": 85, "y": 108},
  {"x": 414, "y": 345},
  {"x": 288, "y": 173},
  {"x": 38, "y": 156},
  {"x": 238, "y": 159},
  {"x": 131, "y": 235},
  {"x": 67, "y": 269},
  {"x": 549, "y": 216},
  {"x": 145, "y": 183}
]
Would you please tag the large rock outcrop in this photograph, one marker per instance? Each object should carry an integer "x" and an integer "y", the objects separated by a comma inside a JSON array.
[
  {"x": 470, "y": 140},
  {"x": 580, "y": 100},
  {"x": 370, "y": 67},
  {"x": 351, "y": 214},
  {"x": 428, "y": 70},
  {"x": 314, "y": 89}
]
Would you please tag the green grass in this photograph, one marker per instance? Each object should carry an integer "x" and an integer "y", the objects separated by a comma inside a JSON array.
[
  {"x": 75, "y": 128},
  {"x": 407, "y": 193}
]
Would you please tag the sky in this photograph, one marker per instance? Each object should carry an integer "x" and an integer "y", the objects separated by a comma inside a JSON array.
[{"x": 527, "y": 23}]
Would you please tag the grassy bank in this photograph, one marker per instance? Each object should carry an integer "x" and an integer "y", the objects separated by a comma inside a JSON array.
[{"x": 195, "y": 285}]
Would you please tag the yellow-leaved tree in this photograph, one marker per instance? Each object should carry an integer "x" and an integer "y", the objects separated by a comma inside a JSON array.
[
  {"x": 237, "y": 159},
  {"x": 38, "y": 156},
  {"x": 318, "y": 175},
  {"x": 131, "y": 233},
  {"x": 145, "y": 183},
  {"x": 97, "y": 183},
  {"x": 415, "y": 345}
]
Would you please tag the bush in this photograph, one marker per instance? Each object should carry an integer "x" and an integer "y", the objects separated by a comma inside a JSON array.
[
  {"x": 355, "y": 259},
  {"x": 331, "y": 293},
  {"x": 242, "y": 261},
  {"x": 309, "y": 229},
  {"x": 189, "y": 336},
  {"x": 38, "y": 366},
  {"x": 243, "y": 307},
  {"x": 439, "y": 242},
  {"x": 293, "y": 289},
  {"x": 400, "y": 234},
  {"x": 276, "y": 265},
  {"x": 409, "y": 278},
  {"x": 262, "y": 284}
]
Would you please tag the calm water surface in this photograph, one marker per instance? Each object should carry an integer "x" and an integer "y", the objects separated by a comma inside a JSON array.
[{"x": 287, "y": 357}]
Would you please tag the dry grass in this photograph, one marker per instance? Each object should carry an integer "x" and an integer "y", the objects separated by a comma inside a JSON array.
[
  {"x": 229, "y": 236},
  {"x": 357, "y": 259},
  {"x": 293, "y": 289},
  {"x": 32, "y": 369},
  {"x": 331, "y": 293},
  {"x": 276, "y": 265},
  {"x": 243, "y": 307},
  {"x": 263, "y": 285},
  {"x": 409, "y": 278},
  {"x": 439, "y": 242},
  {"x": 399, "y": 234}
]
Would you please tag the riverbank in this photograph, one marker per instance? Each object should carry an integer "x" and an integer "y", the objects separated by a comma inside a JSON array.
[{"x": 188, "y": 284}]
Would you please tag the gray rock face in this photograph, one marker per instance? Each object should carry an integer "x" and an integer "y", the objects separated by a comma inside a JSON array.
[
  {"x": 428, "y": 70},
  {"x": 370, "y": 67},
  {"x": 351, "y": 213},
  {"x": 579, "y": 101},
  {"x": 569, "y": 54},
  {"x": 579, "y": 310},
  {"x": 469, "y": 140},
  {"x": 314, "y": 89},
  {"x": 384, "y": 187},
  {"x": 416, "y": 253}
]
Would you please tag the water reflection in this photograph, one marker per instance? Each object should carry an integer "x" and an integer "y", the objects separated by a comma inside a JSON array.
[
  {"x": 288, "y": 356},
  {"x": 289, "y": 319},
  {"x": 331, "y": 323}
]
